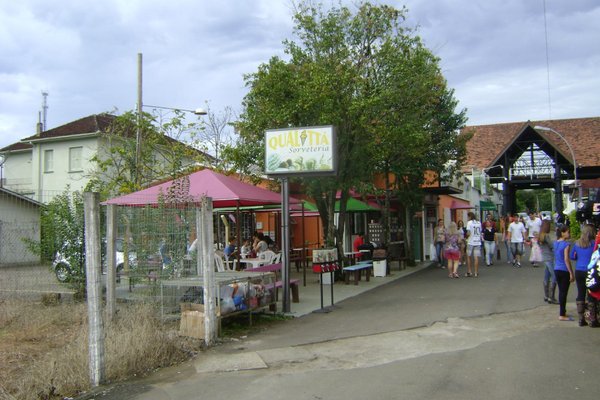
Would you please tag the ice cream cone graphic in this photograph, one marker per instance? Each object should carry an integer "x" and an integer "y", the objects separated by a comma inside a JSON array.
[{"x": 303, "y": 137}]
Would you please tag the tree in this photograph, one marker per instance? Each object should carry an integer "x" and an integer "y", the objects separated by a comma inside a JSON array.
[
  {"x": 166, "y": 151},
  {"x": 218, "y": 133},
  {"x": 62, "y": 234},
  {"x": 372, "y": 79}
]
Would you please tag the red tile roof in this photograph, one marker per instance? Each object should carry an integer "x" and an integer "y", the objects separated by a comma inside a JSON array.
[
  {"x": 491, "y": 141},
  {"x": 89, "y": 124}
]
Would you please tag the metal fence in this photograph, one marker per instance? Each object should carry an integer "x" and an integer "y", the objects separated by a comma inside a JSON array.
[{"x": 154, "y": 252}]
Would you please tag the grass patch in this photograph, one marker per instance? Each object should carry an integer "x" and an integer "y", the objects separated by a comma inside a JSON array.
[
  {"x": 44, "y": 348},
  {"x": 44, "y": 345}
]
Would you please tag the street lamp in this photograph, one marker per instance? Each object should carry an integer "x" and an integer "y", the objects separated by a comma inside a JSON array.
[
  {"x": 197, "y": 111},
  {"x": 140, "y": 104},
  {"x": 579, "y": 188}
]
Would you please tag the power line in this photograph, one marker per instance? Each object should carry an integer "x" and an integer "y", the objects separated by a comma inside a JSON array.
[{"x": 547, "y": 63}]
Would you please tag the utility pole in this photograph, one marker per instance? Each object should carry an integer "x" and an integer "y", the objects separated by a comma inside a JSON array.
[{"x": 138, "y": 137}]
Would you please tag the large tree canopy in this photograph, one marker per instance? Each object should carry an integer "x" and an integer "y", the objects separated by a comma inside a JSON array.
[{"x": 373, "y": 79}]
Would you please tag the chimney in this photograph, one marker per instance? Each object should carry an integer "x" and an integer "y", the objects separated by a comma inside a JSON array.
[{"x": 39, "y": 127}]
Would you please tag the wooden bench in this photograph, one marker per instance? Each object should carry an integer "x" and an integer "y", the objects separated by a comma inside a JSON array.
[
  {"x": 278, "y": 284},
  {"x": 356, "y": 270}
]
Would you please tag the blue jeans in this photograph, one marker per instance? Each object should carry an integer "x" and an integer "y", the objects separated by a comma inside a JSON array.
[
  {"x": 549, "y": 272},
  {"x": 490, "y": 249},
  {"x": 439, "y": 251},
  {"x": 509, "y": 256}
]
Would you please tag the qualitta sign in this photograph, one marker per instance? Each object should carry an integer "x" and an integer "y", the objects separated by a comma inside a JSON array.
[{"x": 307, "y": 150}]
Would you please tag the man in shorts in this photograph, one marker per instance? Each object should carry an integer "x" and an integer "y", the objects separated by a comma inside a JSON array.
[
  {"x": 473, "y": 244},
  {"x": 516, "y": 234}
]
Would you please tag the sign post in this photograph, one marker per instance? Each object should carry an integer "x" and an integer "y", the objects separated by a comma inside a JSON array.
[{"x": 290, "y": 152}]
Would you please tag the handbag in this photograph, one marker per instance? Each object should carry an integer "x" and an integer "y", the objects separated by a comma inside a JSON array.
[{"x": 432, "y": 253}]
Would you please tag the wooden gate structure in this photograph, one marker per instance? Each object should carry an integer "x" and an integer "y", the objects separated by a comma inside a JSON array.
[{"x": 537, "y": 155}]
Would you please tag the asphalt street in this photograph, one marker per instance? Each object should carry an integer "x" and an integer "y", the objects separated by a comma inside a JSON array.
[{"x": 424, "y": 336}]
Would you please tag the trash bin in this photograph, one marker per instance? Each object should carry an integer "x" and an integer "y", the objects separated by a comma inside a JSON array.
[{"x": 379, "y": 262}]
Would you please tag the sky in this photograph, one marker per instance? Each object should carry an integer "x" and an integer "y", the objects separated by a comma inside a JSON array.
[{"x": 84, "y": 54}]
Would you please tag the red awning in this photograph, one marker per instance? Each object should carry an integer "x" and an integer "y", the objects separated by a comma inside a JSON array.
[{"x": 224, "y": 191}]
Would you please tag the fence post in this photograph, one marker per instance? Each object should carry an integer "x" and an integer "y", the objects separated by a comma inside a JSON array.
[
  {"x": 111, "y": 269},
  {"x": 204, "y": 229},
  {"x": 94, "y": 293}
]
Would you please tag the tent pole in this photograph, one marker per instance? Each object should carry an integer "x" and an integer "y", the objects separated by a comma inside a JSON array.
[
  {"x": 238, "y": 231},
  {"x": 285, "y": 248},
  {"x": 304, "y": 251}
]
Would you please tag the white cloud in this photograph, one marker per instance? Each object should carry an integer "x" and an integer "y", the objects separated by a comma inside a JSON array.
[{"x": 85, "y": 55}]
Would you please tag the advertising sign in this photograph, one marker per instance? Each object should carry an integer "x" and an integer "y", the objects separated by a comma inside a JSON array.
[{"x": 301, "y": 151}]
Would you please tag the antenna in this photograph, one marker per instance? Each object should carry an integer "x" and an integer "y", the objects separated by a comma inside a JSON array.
[{"x": 44, "y": 110}]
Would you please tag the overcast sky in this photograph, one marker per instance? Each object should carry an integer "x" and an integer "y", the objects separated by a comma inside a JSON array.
[{"x": 84, "y": 54}]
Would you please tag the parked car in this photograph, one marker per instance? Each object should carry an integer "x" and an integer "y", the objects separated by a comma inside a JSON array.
[{"x": 63, "y": 270}]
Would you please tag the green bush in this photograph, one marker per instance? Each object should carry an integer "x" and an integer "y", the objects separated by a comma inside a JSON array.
[{"x": 574, "y": 228}]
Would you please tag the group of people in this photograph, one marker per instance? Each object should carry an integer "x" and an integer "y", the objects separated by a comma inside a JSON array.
[
  {"x": 250, "y": 248},
  {"x": 564, "y": 262},
  {"x": 459, "y": 244},
  {"x": 581, "y": 253}
]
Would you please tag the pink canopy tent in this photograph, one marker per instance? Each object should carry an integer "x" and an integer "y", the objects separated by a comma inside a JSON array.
[{"x": 224, "y": 191}]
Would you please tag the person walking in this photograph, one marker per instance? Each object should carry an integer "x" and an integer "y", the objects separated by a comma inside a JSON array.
[
  {"x": 473, "y": 245},
  {"x": 546, "y": 242},
  {"x": 460, "y": 225},
  {"x": 516, "y": 232},
  {"x": 489, "y": 242},
  {"x": 563, "y": 270},
  {"x": 452, "y": 249},
  {"x": 581, "y": 252},
  {"x": 504, "y": 224},
  {"x": 440, "y": 239}
]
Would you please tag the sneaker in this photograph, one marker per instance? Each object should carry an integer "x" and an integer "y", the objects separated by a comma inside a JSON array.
[{"x": 518, "y": 264}]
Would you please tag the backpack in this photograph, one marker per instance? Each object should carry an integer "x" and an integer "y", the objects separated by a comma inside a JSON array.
[{"x": 592, "y": 281}]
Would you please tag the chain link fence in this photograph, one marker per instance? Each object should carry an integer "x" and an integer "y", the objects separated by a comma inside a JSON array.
[{"x": 155, "y": 257}]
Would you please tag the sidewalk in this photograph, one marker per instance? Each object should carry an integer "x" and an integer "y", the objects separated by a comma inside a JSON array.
[{"x": 310, "y": 295}]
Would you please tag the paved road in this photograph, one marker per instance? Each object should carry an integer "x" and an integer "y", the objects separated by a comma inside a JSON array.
[{"x": 424, "y": 336}]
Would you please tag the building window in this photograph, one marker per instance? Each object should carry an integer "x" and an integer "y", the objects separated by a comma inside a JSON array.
[
  {"x": 75, "y": 164},
  {"x": 48, "y": 160}
]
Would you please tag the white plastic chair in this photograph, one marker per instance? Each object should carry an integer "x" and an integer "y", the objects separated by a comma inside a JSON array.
[
  {"x": 276, "y": 259},
  {"x": 267, "y": 256},
  {"x": 220, "y": 264}
]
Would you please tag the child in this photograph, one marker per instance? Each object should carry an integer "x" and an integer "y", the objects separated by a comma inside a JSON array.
[
  {"x": 230, "y": 251},
  {"x": 246, "y": 248}
]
